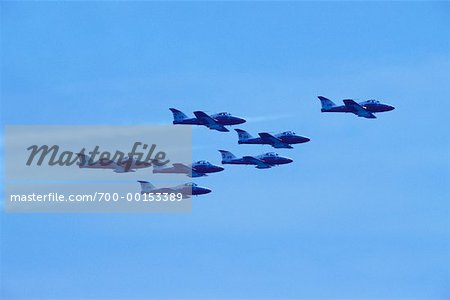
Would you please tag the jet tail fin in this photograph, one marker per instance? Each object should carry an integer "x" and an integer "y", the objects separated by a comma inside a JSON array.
[
  {"x": 326, "y": 103},
  {"x": 243, "y": 135},
  {"x": 146, "y": 186},
  {"x": 226, "y": 155},
  {"x": 178, "y": 115}
]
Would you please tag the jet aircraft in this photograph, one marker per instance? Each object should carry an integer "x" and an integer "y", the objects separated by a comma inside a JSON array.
[
  {"x": 127, "y": 164},
  {"x": 280, "y": 140},
  {"x": 263, "y": 161},
  {"x": 187, "y": 189},
  {"x": 216, "y": 122},
  {"x": 196, "y": 169},
  {"x": 364, "y": 109}
]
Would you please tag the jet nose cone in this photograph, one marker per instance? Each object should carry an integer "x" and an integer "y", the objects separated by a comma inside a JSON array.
[
  {"x": 206, "y": 191},
  {"x": 389, "y": 107},
  {"x": 305, "y": 139},
  {"x": 287, "y": 160},
  {"x": 219, "y": 169},
  {"x": 240, "y": 121}
]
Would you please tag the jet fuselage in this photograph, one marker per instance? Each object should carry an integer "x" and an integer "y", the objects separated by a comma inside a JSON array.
[
  {"x": 221, "y": 118},
  {"x": 372, "y": 107},
  {"x": 288, "y": 139},
  {"x": 206, "y": 167},
  {"x": 268, "y": 158}
]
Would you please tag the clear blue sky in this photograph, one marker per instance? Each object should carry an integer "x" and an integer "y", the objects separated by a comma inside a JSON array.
[{"x": 362, "y": 213}]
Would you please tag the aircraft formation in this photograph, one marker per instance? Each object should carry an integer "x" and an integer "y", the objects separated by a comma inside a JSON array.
[{"x": 218, "y": 121}]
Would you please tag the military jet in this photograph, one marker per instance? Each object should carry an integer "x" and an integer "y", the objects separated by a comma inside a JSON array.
[
  {"x": 263, "y": 161},
  {"x": 365, "y": 109},
  {"x": 280, "y": 140},
  {"x": 187, "y": 189},
  {"x": 196, "y": 169},
  {"x": 215, "y": 122},
  {"x": 121, "y": 166}
]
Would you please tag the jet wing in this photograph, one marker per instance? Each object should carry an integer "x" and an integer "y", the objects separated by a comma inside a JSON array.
[
  {"x": 189, "y": 171},
  {"x": 275, "y": 142},
  {"x": 358, "y": 109},
  {"x": 209, "y": 122},
  {"x": 121, "y": 169},
  {"x": 259, "y": 163},
  {"x": 183, "y": 168}
]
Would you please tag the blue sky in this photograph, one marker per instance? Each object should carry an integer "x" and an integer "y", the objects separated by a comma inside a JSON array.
[{"x": 362, "y": 213}]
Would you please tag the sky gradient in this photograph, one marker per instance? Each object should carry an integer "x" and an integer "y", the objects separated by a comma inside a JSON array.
[{"x": 363, "y": 212}]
